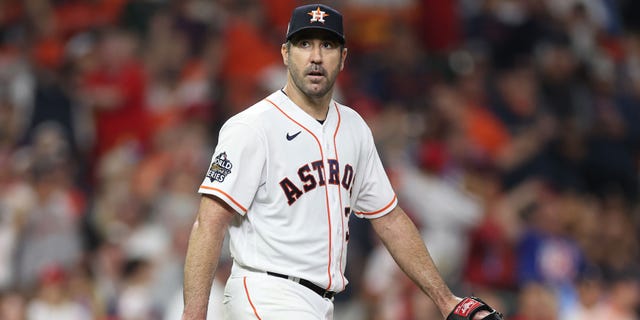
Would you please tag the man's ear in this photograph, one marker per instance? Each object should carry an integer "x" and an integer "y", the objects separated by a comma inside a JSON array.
[
  {"x": 343, "y": 58},
  {"x": 285, "y": 54}
]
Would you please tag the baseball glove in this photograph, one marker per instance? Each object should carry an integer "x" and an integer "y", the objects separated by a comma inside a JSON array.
[{"x": 469, "y": 306}]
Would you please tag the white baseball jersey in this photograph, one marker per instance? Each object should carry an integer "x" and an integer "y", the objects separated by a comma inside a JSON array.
[{"x": 294, "y": 183}]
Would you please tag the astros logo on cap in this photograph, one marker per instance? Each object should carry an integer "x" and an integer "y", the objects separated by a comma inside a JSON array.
[
  {"x": 318, "y": 12},
  {"x": 317, "y": 15}
]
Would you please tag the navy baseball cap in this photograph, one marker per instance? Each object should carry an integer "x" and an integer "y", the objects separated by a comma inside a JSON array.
[{"x": 316, "y": 16}]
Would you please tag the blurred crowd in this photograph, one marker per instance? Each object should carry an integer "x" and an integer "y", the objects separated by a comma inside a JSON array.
[{"x": 507, "y": 128}]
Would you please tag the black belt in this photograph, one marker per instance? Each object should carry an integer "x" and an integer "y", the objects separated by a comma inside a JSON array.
[{"x": 322, "y": 292}]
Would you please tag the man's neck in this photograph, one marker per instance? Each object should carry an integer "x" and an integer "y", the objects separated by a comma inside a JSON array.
[{"x": 315, "y": 107}]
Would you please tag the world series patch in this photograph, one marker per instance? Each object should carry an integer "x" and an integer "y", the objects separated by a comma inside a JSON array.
[{"x": 220, "y": 168}]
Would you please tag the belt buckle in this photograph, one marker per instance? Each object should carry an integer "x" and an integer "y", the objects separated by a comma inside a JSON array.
[{"x": 328, "y": 294}]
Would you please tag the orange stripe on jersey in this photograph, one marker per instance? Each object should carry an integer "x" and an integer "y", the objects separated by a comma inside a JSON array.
[
  {"x": 335, "y": 150},
  {"x": 326, "y": 189},
  {"x": 378, "y": 211},
  {"x": 226, "y": 195},
  {"x": 246, "y": 291}
]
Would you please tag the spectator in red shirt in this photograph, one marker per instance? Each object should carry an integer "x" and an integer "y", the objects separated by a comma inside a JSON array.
[{"x": 115, "y": 90}]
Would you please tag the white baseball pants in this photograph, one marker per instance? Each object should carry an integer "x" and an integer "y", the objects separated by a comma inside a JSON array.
[{"x": 257, "y": 295}]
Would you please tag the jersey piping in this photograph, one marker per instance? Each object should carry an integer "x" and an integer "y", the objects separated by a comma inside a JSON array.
[
  {"x": 335, "y": 150},
  {"x": 381, "y": 210},
  {"x": 230, "y": 198},
  {"x": 326, "y": 189}
]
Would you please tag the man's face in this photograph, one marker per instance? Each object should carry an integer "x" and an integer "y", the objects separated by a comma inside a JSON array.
[{"x": 313, "y": 60}]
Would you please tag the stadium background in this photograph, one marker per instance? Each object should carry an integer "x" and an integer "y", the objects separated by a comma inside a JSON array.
[{"x": 509, "y": 129}]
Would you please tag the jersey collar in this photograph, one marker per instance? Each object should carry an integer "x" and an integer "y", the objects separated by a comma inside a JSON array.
[{"x": 293, "y": 110}]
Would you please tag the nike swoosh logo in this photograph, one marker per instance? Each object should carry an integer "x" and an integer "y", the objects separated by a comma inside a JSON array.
[{"x": 291, "y": 137}]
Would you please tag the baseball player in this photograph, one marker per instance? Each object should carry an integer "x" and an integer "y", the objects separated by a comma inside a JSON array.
[{"x": 285, "y": 176}]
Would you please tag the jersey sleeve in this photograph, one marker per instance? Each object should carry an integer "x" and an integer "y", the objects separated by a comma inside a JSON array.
[
  {"x": 374, "y": 196},
  {"x": 236, "y": 168}
]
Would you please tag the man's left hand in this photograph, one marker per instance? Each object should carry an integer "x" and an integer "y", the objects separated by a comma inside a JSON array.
[{"x": 472, "y": 308}]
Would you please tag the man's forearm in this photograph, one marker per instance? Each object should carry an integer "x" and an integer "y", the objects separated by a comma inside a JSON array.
[
  {"x": 402, "y": 239},
  {"x": 205, "y": 244}
]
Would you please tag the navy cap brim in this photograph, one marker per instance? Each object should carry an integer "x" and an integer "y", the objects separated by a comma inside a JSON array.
[{"x": 333, "y": 32}]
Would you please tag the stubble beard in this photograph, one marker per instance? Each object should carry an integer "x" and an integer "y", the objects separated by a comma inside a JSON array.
[{"x": 299, "y": 80}]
